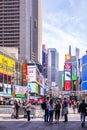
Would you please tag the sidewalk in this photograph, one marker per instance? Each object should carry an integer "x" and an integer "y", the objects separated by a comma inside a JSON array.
[
  {"x": 71, "y": 117},
  {"x": 7, "y": 117}
]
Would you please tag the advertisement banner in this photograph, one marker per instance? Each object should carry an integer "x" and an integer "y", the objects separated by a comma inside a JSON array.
[
  {"x": 36, "y": 88},
  {"x": 68, "y": 76},
  {"x": 20, "y": 89},
  {"x": 84, "y": 72},
  {"x": 31, "y": 73},
  {"x": 67, "y": 85},
  {"x": 7, "y": 65},
  {"x": 67, "y": 57},
  {"x": 67, "y": 66},
  {"x": 32, "y": 88}
]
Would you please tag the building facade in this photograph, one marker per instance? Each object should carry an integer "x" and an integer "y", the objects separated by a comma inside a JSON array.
[
  {"x": 21, "y": 27},
  {"x": 10, "y": 74},
  {"x": 52, "y": 73}
]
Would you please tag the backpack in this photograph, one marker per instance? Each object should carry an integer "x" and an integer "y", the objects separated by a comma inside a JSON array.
[
  {"x": 58, "y": 106},
  {"x": 43, "y": 105}
]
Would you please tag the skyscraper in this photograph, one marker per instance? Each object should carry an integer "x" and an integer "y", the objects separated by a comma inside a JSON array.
[
  {"x": 21, "y": 27},
  {"x": 53, "y": 62}
]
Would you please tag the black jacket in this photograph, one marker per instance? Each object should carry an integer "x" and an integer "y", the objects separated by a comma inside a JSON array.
[{"x": 82, "y": 107}]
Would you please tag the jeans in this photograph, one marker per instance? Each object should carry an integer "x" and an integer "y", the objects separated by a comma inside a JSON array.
[
  {"x": 65, "y": 118},
  {"x": 28, "y": 115},
  {"x": 82, "y": 115},
  {"x": 46, "y": 115},
  {"x": 57, "y": 114},
  {"x": 51, "y": 116},
  {"x": 17, "y": 111}
]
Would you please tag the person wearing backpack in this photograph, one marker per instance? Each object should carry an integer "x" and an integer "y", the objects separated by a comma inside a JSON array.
[
  {"x": 57, "y": 110},
  {"x": 43, "y": 105}
]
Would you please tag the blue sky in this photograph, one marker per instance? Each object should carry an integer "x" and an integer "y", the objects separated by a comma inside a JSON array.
[{"x": 64, "y": 24}]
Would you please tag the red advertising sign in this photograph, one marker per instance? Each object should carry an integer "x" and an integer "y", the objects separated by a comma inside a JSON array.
[
  {"x": 67, "y": 85},
  {"x": 67, "y": 66}
]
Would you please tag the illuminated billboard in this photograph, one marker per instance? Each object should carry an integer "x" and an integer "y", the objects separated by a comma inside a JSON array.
[
  {"x": 67, "y": 76},
  {"x": 7, "y": 65},
  {"x": 67, "y": 85},
  {"x": 31, "y": 73},
  {"x": 32, "y": 88},
  {"x": 84, "y": 72},
  {"x": 67, "y": 57}
]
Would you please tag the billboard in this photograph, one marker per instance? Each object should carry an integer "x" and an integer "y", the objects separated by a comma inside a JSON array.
[
  {"x": 67, "y": 76},
  {"x": 84, "y": 72},
  {"x": 20, "y": 89},
  {"x": 7, "y": 65},
  {"x": 67, "y": 85},
  {"x": 67, "y": 57},
  {"x": 32, "y": 88},
  {"x": 31, "y": 73},
  {"x": 67, "y": 66},
  {"x": 24, "y": 73}
]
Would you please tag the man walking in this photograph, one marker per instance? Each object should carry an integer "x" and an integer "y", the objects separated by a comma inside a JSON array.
[
  {"x": 65, "y": 110},
  {"x": 82, "y": 111},
  {"x": 46, "y": 110}
]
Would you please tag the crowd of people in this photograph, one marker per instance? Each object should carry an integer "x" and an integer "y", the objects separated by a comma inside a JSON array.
[
  {"x": 55, "y": 108},
  {"x": 60, "y": 107}
]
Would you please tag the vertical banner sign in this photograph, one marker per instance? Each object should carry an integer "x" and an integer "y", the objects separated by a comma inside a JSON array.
[{"x": 67, "y": 76}]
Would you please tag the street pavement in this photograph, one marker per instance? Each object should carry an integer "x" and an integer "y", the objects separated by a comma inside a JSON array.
[
  {"x": 40, "y": 125},
  {"x": 6, "y": 123}
]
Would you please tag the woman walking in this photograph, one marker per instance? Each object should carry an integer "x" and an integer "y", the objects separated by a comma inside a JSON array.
[
  {"x": 57, "y": 111},
  {"x": 51, "y": 110}
]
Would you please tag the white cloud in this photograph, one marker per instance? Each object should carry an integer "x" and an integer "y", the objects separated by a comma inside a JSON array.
[
  {"x": 61, "y": 29},
  {"x": 58, "y": 38}
]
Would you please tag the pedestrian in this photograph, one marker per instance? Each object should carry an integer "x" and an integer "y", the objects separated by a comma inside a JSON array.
[
  {"x": 74, "y": 106},
  {"x": 70, "y": 102},
  {"x": 51, "y": 110},
  {"x": 82, "y": 111},
  {"x": 57, "y": 110},
  {"x": 28, "y": 109},
  {"x": 16, "y": 104},
  {"x": 65, "y": 110},
  {"x": 46, "y": 115}
]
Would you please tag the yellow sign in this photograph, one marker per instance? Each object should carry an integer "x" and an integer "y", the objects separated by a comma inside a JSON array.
[
  {"x": 67, "y": 57},
  {"x": 36, "y": 88},
  {"x": 7, "y": 65}
]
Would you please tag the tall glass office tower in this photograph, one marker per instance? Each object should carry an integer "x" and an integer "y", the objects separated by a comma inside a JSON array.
[
  {"x": 53, "y": 63},
  {"x": 21, "y": 27}
]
